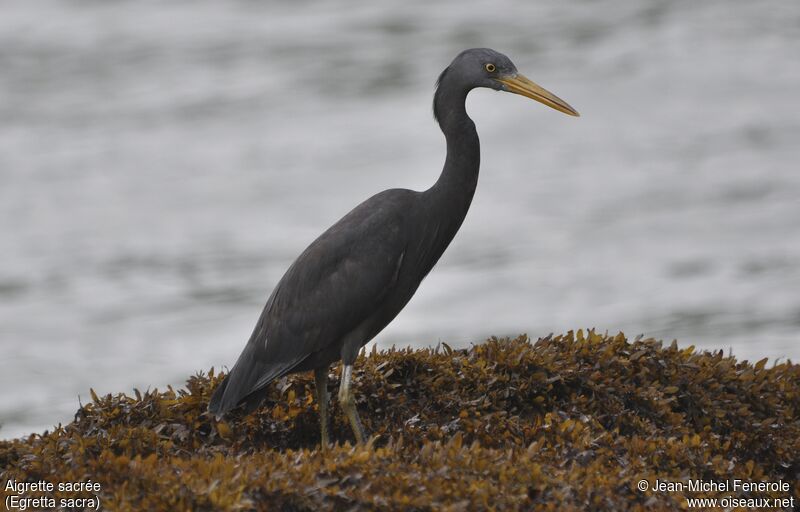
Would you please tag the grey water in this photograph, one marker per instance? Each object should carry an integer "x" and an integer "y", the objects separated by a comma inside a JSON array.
[{"x": 161, "y": 164}]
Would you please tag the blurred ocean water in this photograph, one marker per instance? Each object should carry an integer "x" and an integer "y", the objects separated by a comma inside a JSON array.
[{"x": 161, "y": 165}]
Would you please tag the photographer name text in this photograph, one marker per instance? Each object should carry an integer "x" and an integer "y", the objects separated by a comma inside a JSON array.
[{"x": 735, "y": 485}]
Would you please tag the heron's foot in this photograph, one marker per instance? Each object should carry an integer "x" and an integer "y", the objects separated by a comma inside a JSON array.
[
  {"x": 355, "y": 422},
  {"x": 348, "y": 403}
]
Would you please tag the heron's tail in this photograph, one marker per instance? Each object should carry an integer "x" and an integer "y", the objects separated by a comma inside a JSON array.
[
  {"x": 215, "y": 404},
  {"x": 243, "y": 384}
]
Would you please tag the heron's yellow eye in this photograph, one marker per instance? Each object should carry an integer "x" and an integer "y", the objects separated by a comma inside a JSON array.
[{"x": 490, "y": 67}]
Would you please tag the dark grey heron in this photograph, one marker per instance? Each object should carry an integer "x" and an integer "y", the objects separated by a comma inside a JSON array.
[{"x": 360, "y": 273}]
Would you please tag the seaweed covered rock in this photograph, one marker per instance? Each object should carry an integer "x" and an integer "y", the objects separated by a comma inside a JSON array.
[{"x": 570, "y": 422}]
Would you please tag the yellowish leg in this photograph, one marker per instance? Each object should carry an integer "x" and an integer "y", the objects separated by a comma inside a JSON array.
[
  {"x": 348, "y": 403},
  {"x": 321, "y": 381}
]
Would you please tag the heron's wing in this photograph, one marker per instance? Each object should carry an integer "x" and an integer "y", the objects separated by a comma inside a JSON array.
[{"x": 336, "y": 283}]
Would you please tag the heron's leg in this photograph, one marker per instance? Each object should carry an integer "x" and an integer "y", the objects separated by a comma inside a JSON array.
[
  {"x": 321, "y": 381},
  {"x": 348, "y": 403}
]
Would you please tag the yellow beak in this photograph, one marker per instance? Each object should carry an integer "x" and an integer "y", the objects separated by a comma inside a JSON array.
[{"x": 521, "y": 85}]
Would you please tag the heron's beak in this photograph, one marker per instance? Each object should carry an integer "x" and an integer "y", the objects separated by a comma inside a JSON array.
[{"x": 518, "y": 84}]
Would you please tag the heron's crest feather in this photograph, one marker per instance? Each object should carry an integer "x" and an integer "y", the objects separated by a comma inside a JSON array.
[{"x": 436, "y": 113}]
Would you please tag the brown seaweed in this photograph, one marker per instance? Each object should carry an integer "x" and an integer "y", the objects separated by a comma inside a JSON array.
[{"x": 570, "y": 422}]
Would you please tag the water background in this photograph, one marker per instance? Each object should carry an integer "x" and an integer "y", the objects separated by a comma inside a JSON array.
[{"x": 161, "y": 165}]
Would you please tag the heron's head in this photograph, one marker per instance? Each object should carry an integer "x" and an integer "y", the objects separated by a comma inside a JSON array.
[{"x": 484, "y": 67}]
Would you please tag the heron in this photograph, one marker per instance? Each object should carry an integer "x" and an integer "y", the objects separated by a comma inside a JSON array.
[{"x": 355, "y": 278}]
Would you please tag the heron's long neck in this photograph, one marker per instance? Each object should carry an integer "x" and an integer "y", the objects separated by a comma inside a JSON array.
[{"x": 455, "y": 187}]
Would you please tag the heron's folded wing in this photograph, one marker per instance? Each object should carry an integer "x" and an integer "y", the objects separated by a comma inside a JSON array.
[{"x": 336, "y": 283}]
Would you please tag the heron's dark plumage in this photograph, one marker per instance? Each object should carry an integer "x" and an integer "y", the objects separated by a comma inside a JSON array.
[
  {"x": 338, "y": 289},
  {"x": 360, "y": 273}
]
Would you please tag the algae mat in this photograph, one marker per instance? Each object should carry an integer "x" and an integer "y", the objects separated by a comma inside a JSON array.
[{"x": 581, "y": 421}]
